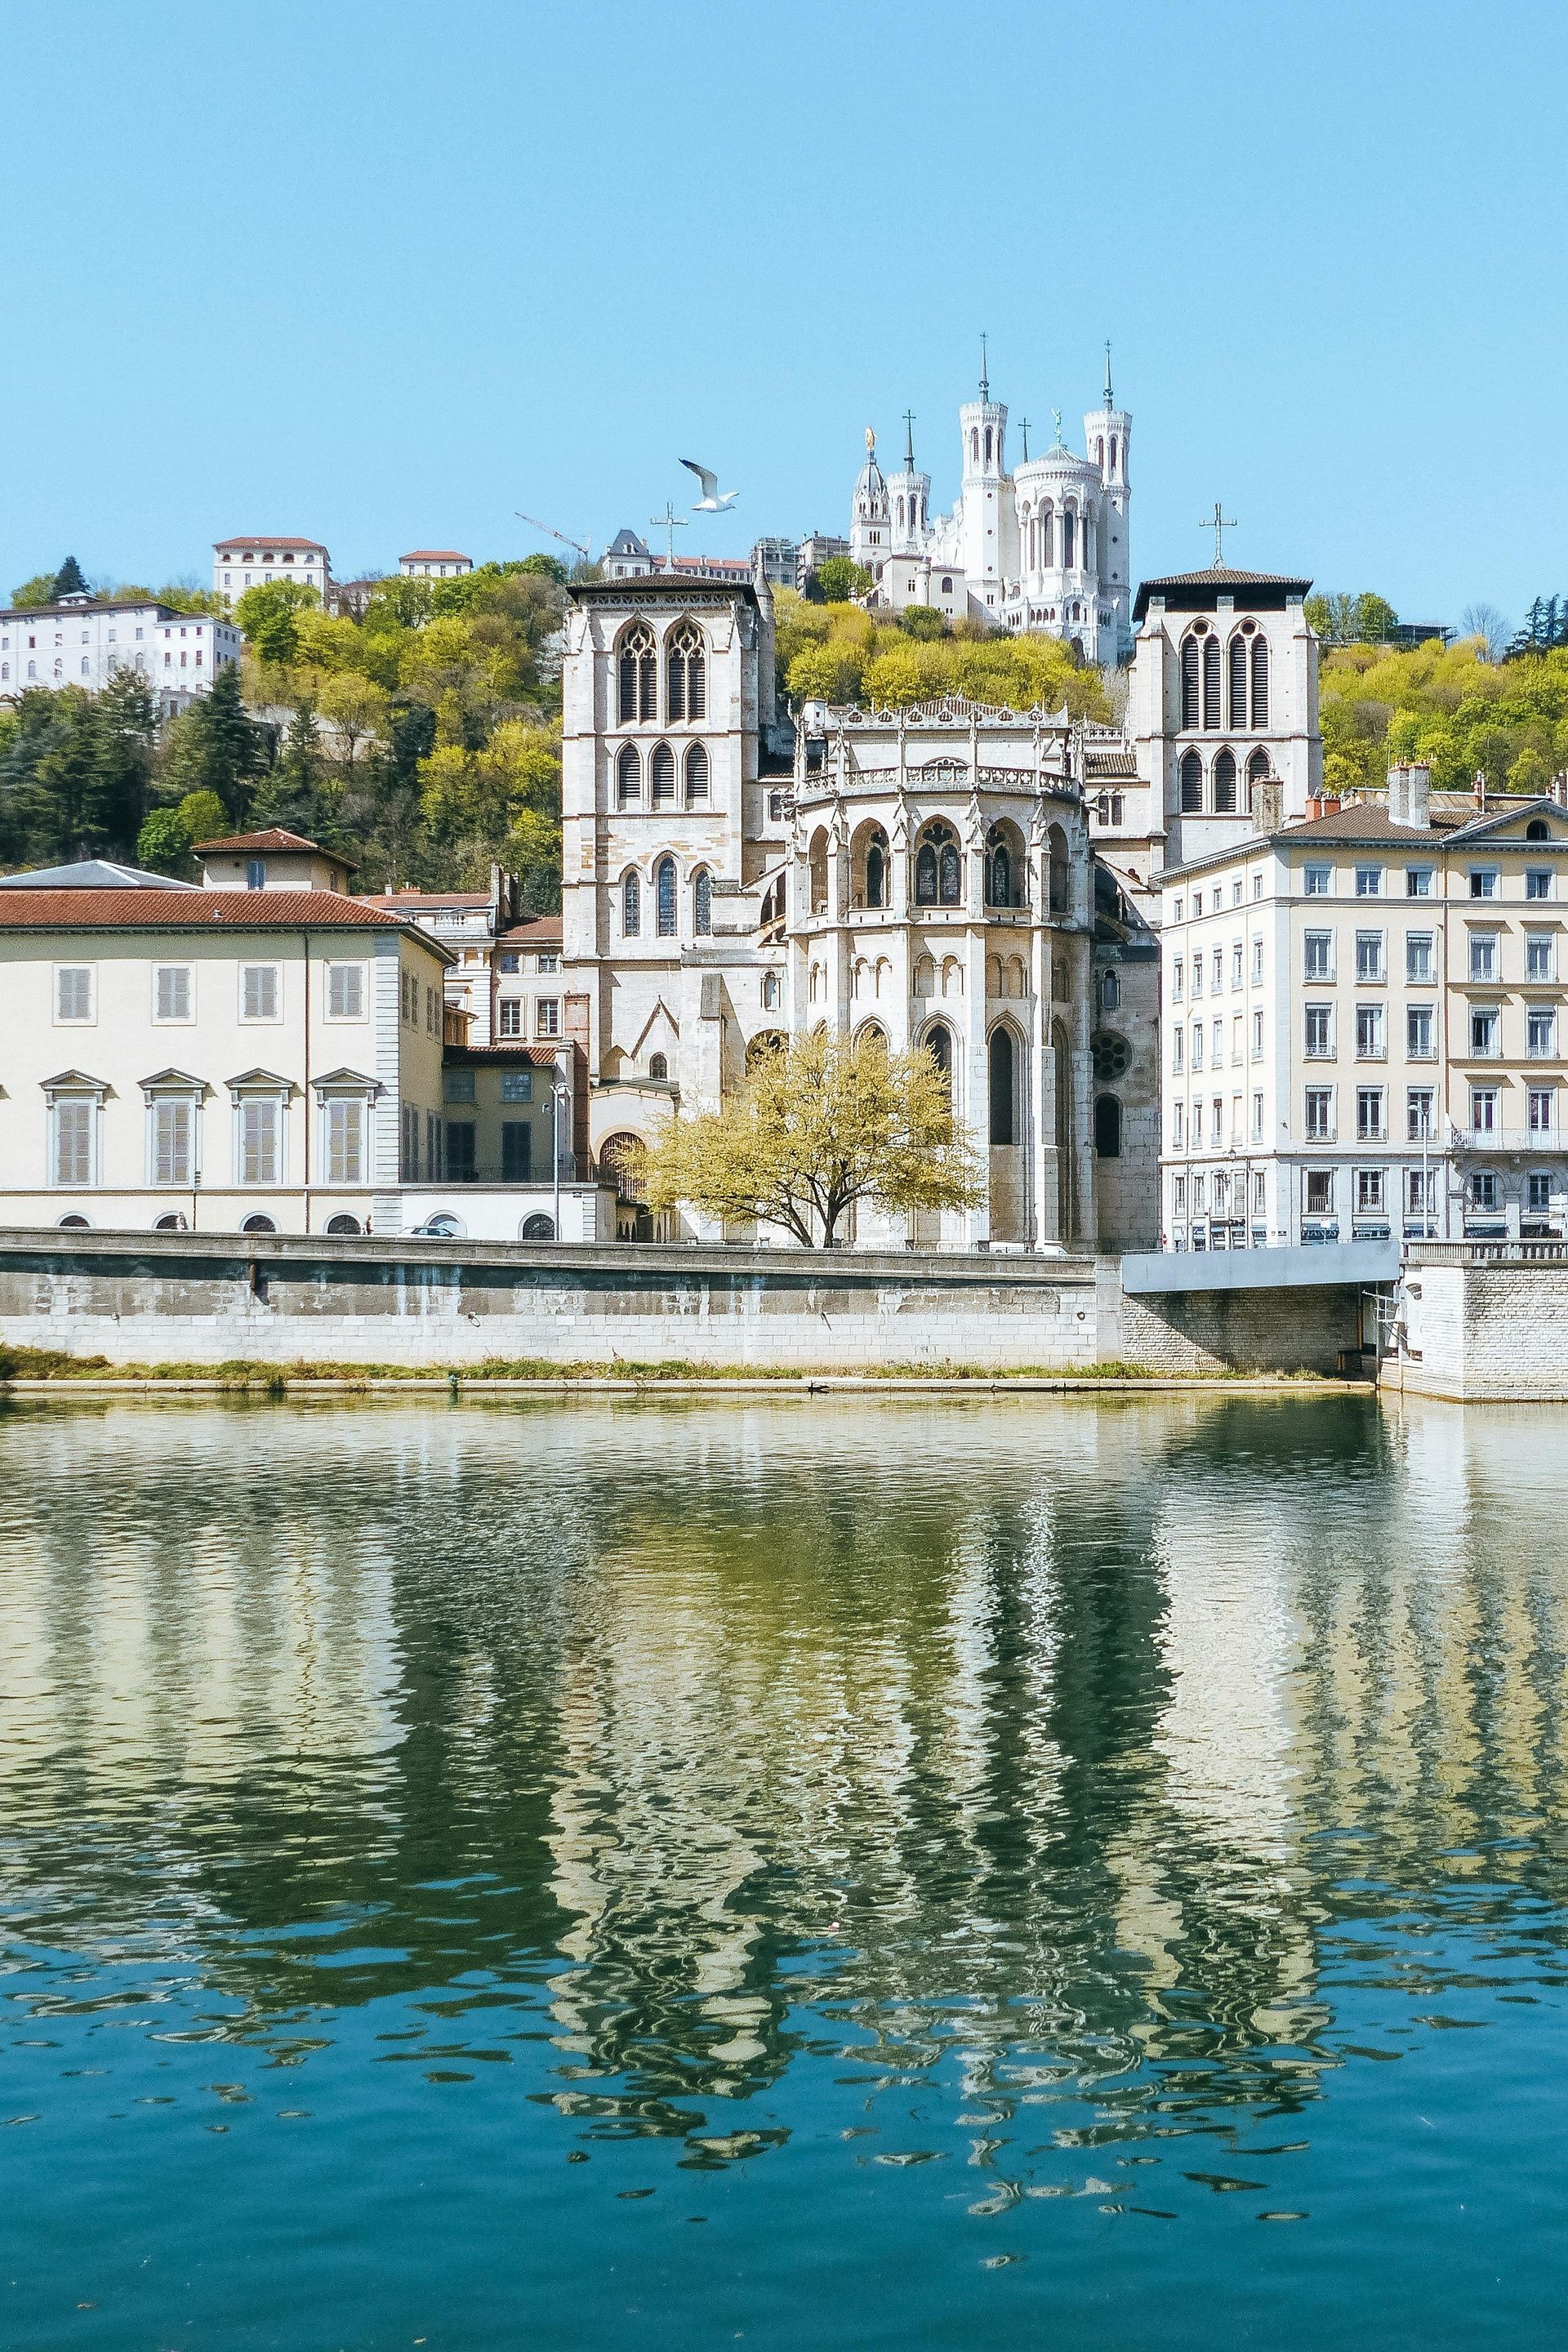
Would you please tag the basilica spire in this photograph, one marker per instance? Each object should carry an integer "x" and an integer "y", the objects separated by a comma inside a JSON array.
[
  {"x": 984, "y": 371},
  {"x": 1109, "y": 401}
]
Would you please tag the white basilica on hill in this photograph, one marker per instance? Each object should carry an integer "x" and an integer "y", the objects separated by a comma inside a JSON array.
[{"x": 1044, "y": 547}]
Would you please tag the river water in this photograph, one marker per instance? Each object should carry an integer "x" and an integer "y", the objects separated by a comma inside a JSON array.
[{"x": 1063, "y": 1873}]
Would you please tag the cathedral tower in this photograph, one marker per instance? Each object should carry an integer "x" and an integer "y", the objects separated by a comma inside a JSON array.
[
  {"x": 1107, "y": 430},
  {"x": 985, "y": 551},
  {"x": 909, "y": 498},
  {"x": 870, "y": 531}
]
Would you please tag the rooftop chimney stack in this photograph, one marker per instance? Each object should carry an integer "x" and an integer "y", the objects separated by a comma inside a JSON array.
[{"x": 1410, "y": 795}]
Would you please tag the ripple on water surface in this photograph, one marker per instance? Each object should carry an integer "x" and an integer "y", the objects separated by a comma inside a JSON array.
[{"x": 846, "y": 1873}]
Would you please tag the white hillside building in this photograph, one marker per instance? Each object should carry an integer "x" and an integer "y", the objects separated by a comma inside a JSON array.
[
  {"x": 80, "y": 643},
  {"x": 242, "y": 563},
  {"x": 1045, "y": 547}
]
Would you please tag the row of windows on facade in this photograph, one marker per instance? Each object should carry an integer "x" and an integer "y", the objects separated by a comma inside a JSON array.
[
  {"x": 1320, "y": 1117},
  {"x": 1320, "y": 950},
  {"x": 662, "y": 775},
  {"x": 1485, "y": 1033},
  {"x": 1053, "y": 539},
  {"x": 685, "y": 674},
  {"x": 1370, "y": 880},
  {"x": 666, "y": 900},
  {"x": 1242, "y": 668},
  {"x": 1006, "y": 976},
  {"x": 193, "y": 629},
  {"x": 939, "y": 869},
  {"x": 260, "y": 994},
  {"x": 1220, "y": 1192},
  {"x": 115, "y": 666},
  {"x": 1221, "y": 798},
  {"x": 174, "y": 1132}
]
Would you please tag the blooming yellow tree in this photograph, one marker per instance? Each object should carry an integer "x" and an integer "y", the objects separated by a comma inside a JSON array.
[{"x": 821, "y": 1123}]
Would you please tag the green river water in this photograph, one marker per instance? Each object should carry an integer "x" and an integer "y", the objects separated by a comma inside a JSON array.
[{"x": 1082, "y": 1873}]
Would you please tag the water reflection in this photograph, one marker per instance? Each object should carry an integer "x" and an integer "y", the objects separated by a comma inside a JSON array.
[{"x": 1070, "y": 1758}]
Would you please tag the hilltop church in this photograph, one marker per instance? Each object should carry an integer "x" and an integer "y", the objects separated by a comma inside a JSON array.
[{"x": 1043, "y": 547}]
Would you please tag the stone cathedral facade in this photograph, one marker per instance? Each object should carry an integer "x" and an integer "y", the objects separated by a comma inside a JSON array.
[{"x": 928, "y": 874}]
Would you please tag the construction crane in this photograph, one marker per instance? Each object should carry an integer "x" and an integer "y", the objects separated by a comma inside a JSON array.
[{"x": 551, "y": 532}]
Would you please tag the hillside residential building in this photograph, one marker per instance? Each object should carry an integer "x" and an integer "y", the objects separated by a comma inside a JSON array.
[
  {"x": 925, "y": 874},
  {"x": 273, "y": 859},
  {"x": 777, "y": 560},
  {"x": 504, "y": 986},
  {"x": 434, "y": 563},
  {"x": 242, "y": 563},
  {"x": 1363, "y": 1027},
  {"x": 79, "y": 643}
]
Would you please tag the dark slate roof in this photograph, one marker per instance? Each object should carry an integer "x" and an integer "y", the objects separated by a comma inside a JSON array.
[
  {"x": 1199, "y": 592},
  {"x": 92, "y": 874}
]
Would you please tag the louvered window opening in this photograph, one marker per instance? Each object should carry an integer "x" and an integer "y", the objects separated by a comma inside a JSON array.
[{"x": 638, "y": 682}]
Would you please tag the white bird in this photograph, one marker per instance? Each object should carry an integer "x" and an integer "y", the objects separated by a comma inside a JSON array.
[{"x": 712, "y": 500}]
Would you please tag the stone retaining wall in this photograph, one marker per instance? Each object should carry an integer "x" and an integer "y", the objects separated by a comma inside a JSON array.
[
  {"x": 200, "y": 1298},
  {"x": 1489, "y": 1332}
]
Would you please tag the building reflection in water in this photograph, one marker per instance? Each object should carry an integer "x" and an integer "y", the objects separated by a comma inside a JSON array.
[{"x": 1037, "y": 1731}]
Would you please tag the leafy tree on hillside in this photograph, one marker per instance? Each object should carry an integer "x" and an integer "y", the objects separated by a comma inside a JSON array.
[
  {"x": 75, "y": 773},
  {"x": 216, "y": 747},
  {"x": 270, "y": 615},
  {"x": 38, "y": 590},
  {"x": 923, "y": 621},
  {"x": 165, "y": 841},
  {"x": 68, "y": 581},
  {"x": 837, "y": 581}
]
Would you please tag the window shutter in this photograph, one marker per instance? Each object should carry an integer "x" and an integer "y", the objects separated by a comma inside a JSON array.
[
  {"x": 260, "y": 992},
  {"x": 345, "y": 1133},
  {"x": 174, "y": 992},
  {"x": 73, "y": 1142},
  {"x": 345, "y": 992},
  {"x": 258, "y": 1143},
  {"x": 74, "y": 999}
]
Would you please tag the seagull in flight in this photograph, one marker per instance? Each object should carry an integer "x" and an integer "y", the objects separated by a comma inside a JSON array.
[{"x": 712, "y": 500}]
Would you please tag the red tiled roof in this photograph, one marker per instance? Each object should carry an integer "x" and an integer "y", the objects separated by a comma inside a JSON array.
[
  {"x": 189, "y": 910},
  {"x": 542, "y": 1058},
  {"x": 435, "y": 555},
  {"x": 268, "y": 539},
  {"x": 273, "y": 837},
  {"x": 412, "y": 898}
]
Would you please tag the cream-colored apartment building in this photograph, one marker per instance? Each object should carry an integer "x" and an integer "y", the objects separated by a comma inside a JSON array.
[
  {"x": 260, "y": 1059},
  {"x": 1363, "y": 1027}
]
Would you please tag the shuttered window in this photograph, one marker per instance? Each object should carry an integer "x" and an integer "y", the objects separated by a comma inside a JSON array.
[
  {"x": 345, "y": 1141},
  {"x": 258, "y": 991},
  {"x": 1211, "y": 682},
  {"x": 172, "y": 1123},
  {"x": 345, "y": 992},
  {"x": 73, "y": 1142},
  {"x": 73, "y": 991},
  {"x": 171, "y": 992},
  {"x": 1190, "y": 682},
  {"x": 1260, "y": 682},
  {"x": 259, "y": 1142},
  {"x": 1237, "y": 708}
]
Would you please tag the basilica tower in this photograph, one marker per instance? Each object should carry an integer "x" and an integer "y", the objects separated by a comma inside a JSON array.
[
  {"x": 909, "y": 498},
  {"x": 869, "y": 530},
  {"x": 1106, "y": 432},
  {"x": 985, "y": 550}
]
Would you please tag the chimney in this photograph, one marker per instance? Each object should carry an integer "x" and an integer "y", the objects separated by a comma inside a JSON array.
[
  {"x": 1268, "y": 804},
  {"x": 1410, "y": 795},
  {"x": 1480, "y": 789}
]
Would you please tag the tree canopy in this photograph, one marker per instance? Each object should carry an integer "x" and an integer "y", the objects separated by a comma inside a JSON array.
[
  {"x": 1448, "y": 705},
  {"x": 1345, "y": 620},
  {"x": 841, "y": 653},
  {"x": 823, "y": 1122}
]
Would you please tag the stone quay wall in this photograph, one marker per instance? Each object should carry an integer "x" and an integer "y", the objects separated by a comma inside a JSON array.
[
  {"x": 278, "y": 1298},
  {"x": 1482, "y": 1326}
]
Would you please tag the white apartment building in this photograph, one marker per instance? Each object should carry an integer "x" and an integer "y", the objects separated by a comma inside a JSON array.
[
  {"x": 1363, "y": 1028},
  {"x": 242, "y": 563},
  {"x": 434, "y": 563},
  {"x": 252, "y": 1060},
  {"x": 80, "y": 643},
  {"x": 504, "y": 985}
]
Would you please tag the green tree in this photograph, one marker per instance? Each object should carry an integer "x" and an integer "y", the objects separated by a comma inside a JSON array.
[
  {"x": 823, "y": 1123},
  {"x": 69, "y": 580},
  {"x": 1376, "y": 619},
  {"x": 38, "y": 590},
  {"x": 216, "y": 747},
  {"x": 268, "y": 615},
  {"x": 838, "y": 580},
  {"x": 922, "y": 621},
  {"x": 75, "y": 773},
  {"x": 546, "y": 567}
]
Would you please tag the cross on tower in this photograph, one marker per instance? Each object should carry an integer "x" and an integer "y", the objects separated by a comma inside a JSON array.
[
  {"x": 1219, "y": 524},
  {"x": 984, "y": 371},
  {"x": 1024, "y": 429},
  {"x": 669, "y": 522},
  {"x": 909, "y": 440}
]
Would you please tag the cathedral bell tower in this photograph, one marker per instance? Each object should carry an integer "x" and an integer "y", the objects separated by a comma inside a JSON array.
[
  {"x": 870, "y": 531},
  {"x": 1106, "y": 431},
  {"x": 983, "y": 425},
  {"x": 909, "y": 498}
]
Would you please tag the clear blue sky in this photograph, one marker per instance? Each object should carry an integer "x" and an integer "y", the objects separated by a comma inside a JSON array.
[{"x": 380, "y": 272}]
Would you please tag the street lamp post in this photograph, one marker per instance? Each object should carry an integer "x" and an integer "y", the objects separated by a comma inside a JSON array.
[{"x": 558, "y": 1096}]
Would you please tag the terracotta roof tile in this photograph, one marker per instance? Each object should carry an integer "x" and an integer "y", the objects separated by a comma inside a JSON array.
[
  {"x": 187, "y": 910},
  {"x": 273, "y": 837}
]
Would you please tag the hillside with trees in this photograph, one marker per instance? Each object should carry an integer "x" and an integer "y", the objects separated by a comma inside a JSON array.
[
  {"x": 841, "y": 653},
  {"x": 1448, "y": 706}
]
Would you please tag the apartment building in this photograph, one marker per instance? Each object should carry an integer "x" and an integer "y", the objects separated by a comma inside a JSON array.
[
  {"x": 242, "y": 563},
  {"x": 434, "y": 563},
  {"x": 233, "y": 1060},
  {"x": 1363, "y": 1023},
  {"x": 79, "y": 643},
  {"x": 504, "y": 985}
]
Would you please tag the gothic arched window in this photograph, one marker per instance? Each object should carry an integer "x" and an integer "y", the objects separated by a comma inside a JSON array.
[
  {"x": 1190, "y": 652},
  {"x": 1259, "y": 682},
  {"x": 938, "y": 1043},
  {"x": 772, "y": 991},
  {"x": 1069, "y": 524},
  {"x": 1236, "y": 702},
  {"x": 1224, "y": 785},
  {"x": 1191, "y": 775},
  {"x": 637, "y": 667},
  {"x": 998, "y": 869},
  {"x": 629, "y": 776},
  {"x": 1258, "y": 767},
  {"x": 876, "y": 875},
  {"x": 1106, "y": 1127},
  {"x": 1100, "y": 453},
  {"x": 925, "y": 876},
  {"x": 696, "y": 776},
  {"x": 1003, "y": 1128},
  {"x": 1113, "y": 453},
  {"x": 631, "y": 907},
  {"x": 702, "y": 905},
  {"x": 661, "y": 768},
  {"x": 1211, "y": 682},
  {"x": 664, "y": 893},
  {"x": 937, "y": 869},
  {"x": 684, "y": 669},
  {"x": 658, "y": 1066},
  {"x": 988, "y": 444}
]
